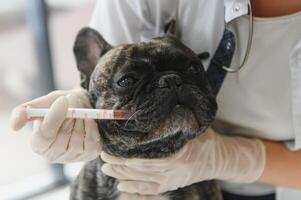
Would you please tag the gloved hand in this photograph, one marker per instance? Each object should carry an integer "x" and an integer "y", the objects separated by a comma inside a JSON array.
[
  {"x": 209, "y": 156},
  {"x": 58, "y": 139}
]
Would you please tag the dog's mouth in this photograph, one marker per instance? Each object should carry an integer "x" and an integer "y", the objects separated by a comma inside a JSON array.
[{"x": 181, "y": 119}]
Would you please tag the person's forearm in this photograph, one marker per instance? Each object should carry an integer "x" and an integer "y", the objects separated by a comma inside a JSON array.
[
  {"x": 274, "y": 8},
  {"x": 283, "y": 167}
]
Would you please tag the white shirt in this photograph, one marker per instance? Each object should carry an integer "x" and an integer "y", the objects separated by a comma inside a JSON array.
[
  {"x": 128, "y": 21},
  {"x": 264, "y": 98},
  {"x": 259, "y": 96},
  {"x": 259, "y": 99}
]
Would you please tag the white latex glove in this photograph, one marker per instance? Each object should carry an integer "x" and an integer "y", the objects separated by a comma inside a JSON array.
[
  {"x": 209, "y": 156},
  {"x": 58, "y": 139}
]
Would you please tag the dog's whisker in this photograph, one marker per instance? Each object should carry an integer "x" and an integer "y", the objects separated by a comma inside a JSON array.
[{"x": 127, "y": 121}]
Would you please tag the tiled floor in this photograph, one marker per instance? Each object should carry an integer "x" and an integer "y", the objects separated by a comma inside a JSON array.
[{"x": 20, "y": 167}]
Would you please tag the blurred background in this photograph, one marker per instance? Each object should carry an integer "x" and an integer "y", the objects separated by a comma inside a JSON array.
[{"x": 36, "y": 39}]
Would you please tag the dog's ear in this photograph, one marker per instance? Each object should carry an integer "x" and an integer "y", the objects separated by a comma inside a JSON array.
[
  {"x": 204, "y": 56},
  {"x": 89, "y": 46},
  {"x": 170, "y": 29}
]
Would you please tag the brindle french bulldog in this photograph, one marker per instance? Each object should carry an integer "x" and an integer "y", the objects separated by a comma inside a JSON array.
[{"x": 164, "y": 84}]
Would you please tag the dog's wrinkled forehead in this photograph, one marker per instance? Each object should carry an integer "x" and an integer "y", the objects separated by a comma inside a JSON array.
[
  {"x": 156, "y": 52},
  {"x": 95, "y": 55}
]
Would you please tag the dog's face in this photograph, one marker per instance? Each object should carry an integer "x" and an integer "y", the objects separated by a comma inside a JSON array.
[{"x": 161, "y": 82}]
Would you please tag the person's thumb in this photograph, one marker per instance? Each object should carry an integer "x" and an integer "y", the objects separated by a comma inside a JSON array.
[{"x": 19, "y": 115}]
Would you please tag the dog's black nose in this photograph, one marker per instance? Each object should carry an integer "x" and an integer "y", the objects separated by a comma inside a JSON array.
[{"x": 169, "y": 80}]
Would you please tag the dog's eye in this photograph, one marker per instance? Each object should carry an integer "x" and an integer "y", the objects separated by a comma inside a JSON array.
[
  {"x": 126, "y": 81},
  {"x": 194, "y": 68}
]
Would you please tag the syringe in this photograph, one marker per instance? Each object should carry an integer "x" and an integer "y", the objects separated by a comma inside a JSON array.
[{"x": 83, "y": 113}]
